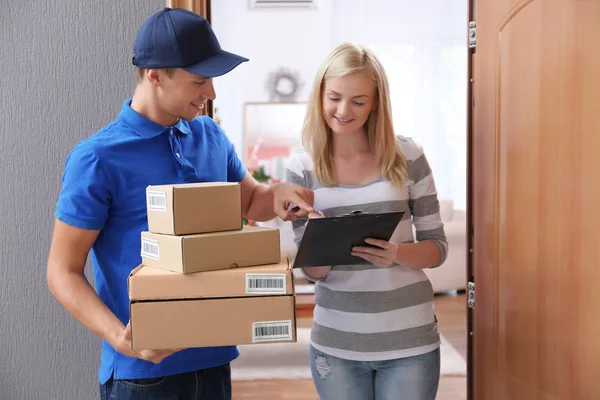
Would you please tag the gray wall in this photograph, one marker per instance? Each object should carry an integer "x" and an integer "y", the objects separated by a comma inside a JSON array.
[{"x": 65, "y": 68}]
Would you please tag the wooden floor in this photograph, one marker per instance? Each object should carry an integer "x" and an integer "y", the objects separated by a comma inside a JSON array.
[{"x": 451, "y": 314}]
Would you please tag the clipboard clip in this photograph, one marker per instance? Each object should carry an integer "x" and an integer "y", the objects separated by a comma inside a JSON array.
[{"x": 355, "y": 213}]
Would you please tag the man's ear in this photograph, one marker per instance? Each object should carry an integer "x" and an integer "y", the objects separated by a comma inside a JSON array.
[{"x": 154, "y": 76}]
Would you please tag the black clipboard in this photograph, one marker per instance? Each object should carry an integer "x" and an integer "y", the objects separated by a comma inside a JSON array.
[{"x": 329, "y": 241}]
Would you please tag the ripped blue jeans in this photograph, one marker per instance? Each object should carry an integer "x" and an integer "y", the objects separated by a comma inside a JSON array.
[{"x": 410, "y": 378}]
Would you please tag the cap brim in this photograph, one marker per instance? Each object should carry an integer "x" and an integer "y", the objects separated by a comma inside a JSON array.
[{"x": 217, "y": 65}]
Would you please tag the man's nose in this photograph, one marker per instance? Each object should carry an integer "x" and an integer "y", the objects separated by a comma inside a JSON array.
[{"x": 209, "y": 92}]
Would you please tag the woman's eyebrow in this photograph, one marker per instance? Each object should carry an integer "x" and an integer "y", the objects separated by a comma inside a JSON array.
[{"x": 336, "y": 93}]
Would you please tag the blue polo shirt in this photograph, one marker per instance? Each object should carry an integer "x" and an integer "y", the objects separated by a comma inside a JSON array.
[{"x": 104, "y": 188}]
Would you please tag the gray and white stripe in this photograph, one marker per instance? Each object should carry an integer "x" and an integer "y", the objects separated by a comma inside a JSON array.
[
  {"x": 378, "y": 342},
  {"x": 365, "y": 312}
]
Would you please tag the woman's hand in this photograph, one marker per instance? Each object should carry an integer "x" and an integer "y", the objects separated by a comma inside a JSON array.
[
  {"x": 315, "y": 214},
  {"x": 316, "y": 272},
  {"x": 383, "y": 255}
]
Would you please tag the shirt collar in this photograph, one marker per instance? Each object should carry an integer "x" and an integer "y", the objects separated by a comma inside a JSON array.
[{"x": 145, "y": 127}]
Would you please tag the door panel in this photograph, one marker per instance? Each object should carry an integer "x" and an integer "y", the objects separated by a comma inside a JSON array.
[{"x": 536, "y": 199}]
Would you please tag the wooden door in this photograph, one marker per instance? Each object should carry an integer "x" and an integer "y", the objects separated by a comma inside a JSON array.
[
  {"x": 536, "y": 200},
  {"x": 201, "y": 7}
]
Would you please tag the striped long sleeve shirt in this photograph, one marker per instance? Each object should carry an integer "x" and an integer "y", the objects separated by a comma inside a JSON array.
[{"x": 364, "y": 312}]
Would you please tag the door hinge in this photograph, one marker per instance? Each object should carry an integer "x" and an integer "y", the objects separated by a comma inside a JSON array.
[
  {"x": 471, "y": 294},
  {"x": 472, "y": 34}
]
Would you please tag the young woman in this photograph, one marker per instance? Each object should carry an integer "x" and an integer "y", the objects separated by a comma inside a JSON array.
[{"x": 375, "y": 332}]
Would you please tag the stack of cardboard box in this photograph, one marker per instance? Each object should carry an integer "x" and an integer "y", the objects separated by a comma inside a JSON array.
[{"x": 205, "y": 279}]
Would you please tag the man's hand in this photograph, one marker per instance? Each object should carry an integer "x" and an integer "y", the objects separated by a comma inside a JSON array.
[
  {"x": 285, "y": 194},
  {"x": 384, "y": 255},
  {"x": 123, "y": 346}
]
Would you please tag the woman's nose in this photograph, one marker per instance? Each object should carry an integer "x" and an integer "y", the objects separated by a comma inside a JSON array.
[{"x": 343, "y": 108}]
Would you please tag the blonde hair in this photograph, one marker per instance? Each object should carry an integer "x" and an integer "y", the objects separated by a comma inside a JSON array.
[{"x": 316, "y": 134}]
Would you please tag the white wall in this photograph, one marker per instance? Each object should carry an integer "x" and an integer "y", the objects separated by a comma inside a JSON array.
[
  {"x": 422, "y": 45},
  {"x": 294, "y": 39}
]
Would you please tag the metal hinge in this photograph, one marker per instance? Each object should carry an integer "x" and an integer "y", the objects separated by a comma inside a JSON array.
[
  {"x": 472, "y": 34},
  {"x": 471, "y": 294}
]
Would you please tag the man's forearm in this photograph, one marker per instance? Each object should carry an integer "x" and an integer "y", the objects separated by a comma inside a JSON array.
[
  {"x": 73, "y": 291},
  {"x": 261, "y": 204}
]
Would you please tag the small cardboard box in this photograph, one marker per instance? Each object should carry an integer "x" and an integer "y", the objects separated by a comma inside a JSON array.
[
  {"x": 190, "y": 208},
  {"x": 187, "y": 254},
  {"x": 216, "y": 308}
]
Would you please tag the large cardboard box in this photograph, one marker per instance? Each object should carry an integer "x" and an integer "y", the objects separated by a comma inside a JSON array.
[
  {"x": 190, "y": 208},
  {"x": 215, "y": 308},
  {"x": 187, "y": 254}
]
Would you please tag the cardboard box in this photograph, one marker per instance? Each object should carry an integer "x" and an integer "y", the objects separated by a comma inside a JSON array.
[
  {"x": 190, "y": 208},
  {"x": 149, "y": 283},
  {"x": 181, "y": 324},
  {"x": 216, "y": 308},
  {"x": 186, "y": 254}
]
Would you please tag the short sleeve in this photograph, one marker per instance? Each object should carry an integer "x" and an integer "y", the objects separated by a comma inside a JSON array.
[
  {"x": 85, "y": 196},
  {"x": 236, "y": 171}
]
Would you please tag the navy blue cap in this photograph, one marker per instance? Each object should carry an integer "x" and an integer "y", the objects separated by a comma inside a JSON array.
[{"x": 179, "y": 38}]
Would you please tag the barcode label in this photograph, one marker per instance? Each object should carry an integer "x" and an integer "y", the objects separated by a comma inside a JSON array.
[
  {"x": 265, "y": 283},
  {"x": 271, "y": 331},
  {"x": 150, "y": 248},
  {"x": 156, "y": 201}
]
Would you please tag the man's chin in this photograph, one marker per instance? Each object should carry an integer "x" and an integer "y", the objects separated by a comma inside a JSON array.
[{"x": 191, "y": 117}]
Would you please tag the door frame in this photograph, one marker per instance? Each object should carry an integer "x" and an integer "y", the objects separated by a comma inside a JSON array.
[{"x": 469, "y": 214}]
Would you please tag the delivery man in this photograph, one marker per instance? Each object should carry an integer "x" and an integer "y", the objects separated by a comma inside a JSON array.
[{"x": 157, "y": 138}]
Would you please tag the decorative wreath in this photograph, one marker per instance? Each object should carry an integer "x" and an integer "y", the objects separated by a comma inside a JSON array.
[{"x": 283, "y": 85}]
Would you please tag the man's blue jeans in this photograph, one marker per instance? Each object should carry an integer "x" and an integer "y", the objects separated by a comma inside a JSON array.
[
  {"x": 208, "y": 384},
  {"x": 410, "y": 378}
]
